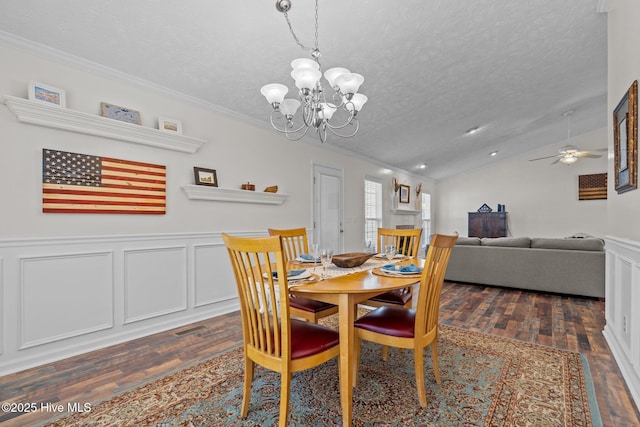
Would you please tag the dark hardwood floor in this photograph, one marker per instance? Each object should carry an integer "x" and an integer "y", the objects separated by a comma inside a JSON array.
[{"x": 559, "y": 321}]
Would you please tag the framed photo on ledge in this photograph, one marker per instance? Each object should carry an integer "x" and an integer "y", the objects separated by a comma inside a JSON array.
[
  {"x": 169, "y": 125},
  {"x": 205, "y": 176},
  {"x": 625, "y": 141},
  {"x": 45, "y": 93},
  {"x": 405, "y": 192}
]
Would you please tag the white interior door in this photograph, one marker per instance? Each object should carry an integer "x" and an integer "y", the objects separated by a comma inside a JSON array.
[{"x": 328, "y": 207}]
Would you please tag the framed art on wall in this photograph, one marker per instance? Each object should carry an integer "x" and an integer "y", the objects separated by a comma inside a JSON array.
[
  {"x": 45, "y": 93},
  {"x": 120, "y": 113},
  {"x": 405, "y": 191},
  {"x": 169, "y": 125},
  {"x": 625, "y": 141},
  {"x": 205, "y": 176}
]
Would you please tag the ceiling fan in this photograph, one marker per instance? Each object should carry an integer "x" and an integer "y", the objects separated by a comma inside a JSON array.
[{"x": 569, "y": 154}]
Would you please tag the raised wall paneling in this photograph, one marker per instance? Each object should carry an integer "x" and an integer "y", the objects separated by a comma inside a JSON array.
[
  {"x": 65, "y": 296},
  {"x": 155, "y": 282},
  {"x": 622, "y": 329},
  {"x": 41, "y": 114},
  {"x": 214, "y": 280}
]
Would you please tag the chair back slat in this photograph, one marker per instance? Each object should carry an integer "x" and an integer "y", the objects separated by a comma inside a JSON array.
[
  {"x": 294, "y": 241},
  {"x": 264, "y": 303},
  {"x": 431, "y": 281},
  {"x": 406, "y": 240}
]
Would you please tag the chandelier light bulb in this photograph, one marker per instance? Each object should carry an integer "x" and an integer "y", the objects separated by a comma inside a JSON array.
[
  {"x": 306, "y": 78},
  {"x": 356, "y": 103},
  {"x": 274, "y": 92},
  {"x": 332, "y": 73},
  {"x": 327, "y": 111},
  {"x": 289, "y": 106},
  {"x": 304, "y": 63},
  {"x": 349, "y": 83}
]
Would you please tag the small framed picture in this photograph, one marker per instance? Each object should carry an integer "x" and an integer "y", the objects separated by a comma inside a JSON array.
[
  {"x": 45, "y": 93},
  {"x": 120, "y": 113},
  {"x": 169, "y": 125},
  {"x": 205, "y": 176},
  {"x": 405, "y": 192}
]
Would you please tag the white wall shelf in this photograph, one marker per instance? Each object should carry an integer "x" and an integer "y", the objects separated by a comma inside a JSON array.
[
  {"x": 203, "y": 192},
  {"x": 405, "y": 212},
  {"x": 41, "y": 114}
]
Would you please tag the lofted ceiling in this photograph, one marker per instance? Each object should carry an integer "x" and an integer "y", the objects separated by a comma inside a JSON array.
[{"x": 433, "y": 69}]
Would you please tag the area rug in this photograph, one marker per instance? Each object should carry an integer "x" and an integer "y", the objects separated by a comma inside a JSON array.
[{"x": 486, "y": 381}]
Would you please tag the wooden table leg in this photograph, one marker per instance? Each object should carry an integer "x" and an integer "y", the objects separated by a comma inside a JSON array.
[{"x": 346, "y": 317}]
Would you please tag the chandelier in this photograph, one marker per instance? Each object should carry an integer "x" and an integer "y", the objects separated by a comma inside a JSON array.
[{"x": 336, "y": 115}]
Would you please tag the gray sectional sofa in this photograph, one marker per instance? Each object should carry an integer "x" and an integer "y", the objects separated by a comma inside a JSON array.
[{"x": 573, "y": 265}]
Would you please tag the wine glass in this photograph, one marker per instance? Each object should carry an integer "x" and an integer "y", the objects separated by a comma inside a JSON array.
[
  {"x": 315, "y": 251},
  {"x": 366, "y": 246},
  {"x": 389, "y": 251},
  {"x": 326, "y": 255}
]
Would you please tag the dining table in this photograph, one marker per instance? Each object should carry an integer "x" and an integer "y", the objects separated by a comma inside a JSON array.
[{"x": 346, "y": 291}]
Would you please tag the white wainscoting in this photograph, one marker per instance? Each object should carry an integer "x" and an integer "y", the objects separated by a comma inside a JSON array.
[
  {"x": 69, "y": 295},
  {"x": 622, "y": 308}
]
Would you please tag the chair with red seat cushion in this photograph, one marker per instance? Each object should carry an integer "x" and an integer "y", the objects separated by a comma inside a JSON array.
[
  {"x": 402, "y": 327},
  {"x": 407, "y": 242},
  {"x": 294, "y": 243},
  {"x": 270, "y": 337}
]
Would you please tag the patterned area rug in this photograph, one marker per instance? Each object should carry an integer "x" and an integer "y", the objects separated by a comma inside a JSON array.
[{"x": 486, "y": 381}]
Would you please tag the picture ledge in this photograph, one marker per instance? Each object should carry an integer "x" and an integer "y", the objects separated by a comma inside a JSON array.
[
  {"x": 53, "y": 116},
  {"x": 203, "y": 192}
]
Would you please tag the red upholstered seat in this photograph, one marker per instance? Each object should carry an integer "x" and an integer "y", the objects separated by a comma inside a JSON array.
[
  {"x": 322, "y": 339},
  {"x": 398, "y": 296},
  {"x": 308, "y": 304},
  {"x": 389, "y": 320}
]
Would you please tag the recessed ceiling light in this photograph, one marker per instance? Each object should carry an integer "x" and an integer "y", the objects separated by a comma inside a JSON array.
[
  {"x": 493, "y": 153},
  {"x": 422, "y": 166},
  {"x": 473, "y": 130}
]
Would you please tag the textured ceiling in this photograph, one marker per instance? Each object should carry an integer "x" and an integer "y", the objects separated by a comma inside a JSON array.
[{"x": 433, "y": 69}]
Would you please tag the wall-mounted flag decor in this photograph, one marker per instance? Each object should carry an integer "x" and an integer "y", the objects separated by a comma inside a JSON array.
[
  {"x": 81, "y": 183},
  {"x": 592, "y": 187}
]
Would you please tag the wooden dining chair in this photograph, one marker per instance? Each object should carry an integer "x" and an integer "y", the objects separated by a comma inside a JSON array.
[
  {"x": 417, "y": 328},
  {"x": 271, "y": 338},
  {"x": 407, "y": 242},
  {"x": 294, "y": 243}
]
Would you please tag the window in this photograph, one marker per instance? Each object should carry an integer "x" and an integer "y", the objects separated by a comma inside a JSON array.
[
  {"x": 425, "y": 207},
  {"x": 372, "y": 209}
]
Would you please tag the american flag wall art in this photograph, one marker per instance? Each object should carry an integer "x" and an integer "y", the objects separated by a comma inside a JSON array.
[{"x": 81, "y": 183}]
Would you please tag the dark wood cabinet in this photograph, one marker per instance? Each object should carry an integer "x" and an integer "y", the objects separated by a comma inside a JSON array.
[{"x": 487, "y": 224}]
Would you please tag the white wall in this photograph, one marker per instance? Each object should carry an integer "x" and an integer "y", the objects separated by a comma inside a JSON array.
[
  {"x": 623, "y": 210},
  {"x": 541, "y": 199},
  {"x": 70, "y": 283}
]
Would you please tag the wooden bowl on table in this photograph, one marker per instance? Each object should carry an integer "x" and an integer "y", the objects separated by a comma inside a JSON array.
[{"x": 352, "y": 259}]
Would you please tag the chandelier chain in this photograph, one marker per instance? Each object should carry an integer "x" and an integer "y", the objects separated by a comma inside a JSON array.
[{"x": 295, "y": 37}]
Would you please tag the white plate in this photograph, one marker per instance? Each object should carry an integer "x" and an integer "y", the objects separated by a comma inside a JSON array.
[
  {"x": 302, "y": 260},
  {"x": 304, "y": 275}
]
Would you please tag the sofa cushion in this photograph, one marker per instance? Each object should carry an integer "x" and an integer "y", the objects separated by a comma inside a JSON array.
[
  {"x": 510, "y": 242},
  {"x": 575, "y": 244},
  {"x": 468, "y": 241}
]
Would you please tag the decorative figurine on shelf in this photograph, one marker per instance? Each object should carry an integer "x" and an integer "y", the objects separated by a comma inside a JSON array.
[
  {"x": 271, "y": 189},
  {"x": 248, "y": 186},
  {"x": 485, "y": 208},
  {"x": 394, "y": 197},
  {"x": 501, "y": 208}
]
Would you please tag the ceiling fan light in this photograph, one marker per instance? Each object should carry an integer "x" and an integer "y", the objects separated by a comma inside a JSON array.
[
  {"x": 274, "y": 92},
  {"x": 568, "y": 160}
]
